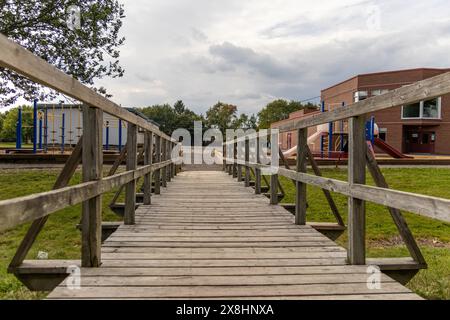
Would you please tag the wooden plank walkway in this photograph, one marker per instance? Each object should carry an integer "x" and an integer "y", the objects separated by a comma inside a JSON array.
[{"x": 209, "y": 237}]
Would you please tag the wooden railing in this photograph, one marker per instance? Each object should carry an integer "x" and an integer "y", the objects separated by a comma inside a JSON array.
[
  {"x": 36, "y": 208},
  {"x": 359, "y": 157}
]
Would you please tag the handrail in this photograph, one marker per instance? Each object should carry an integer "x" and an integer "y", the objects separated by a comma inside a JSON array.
[
  {"x": 13, "y": 56},
  {"x": 425, "y": 89},
  {"x": 37, "y": 207},
  {"x": 20, "y": 210},
  {"x": 432, "y": 207}
]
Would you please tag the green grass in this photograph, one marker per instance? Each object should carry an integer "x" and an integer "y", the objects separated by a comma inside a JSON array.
[
  {"x": 61, "y": 239},
  {"x": 382, "y": 236},
  {"x": 12, "y": 145}
]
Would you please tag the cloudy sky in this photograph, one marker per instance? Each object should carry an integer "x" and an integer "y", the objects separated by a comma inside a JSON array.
[{"x": 253, "y": 51}]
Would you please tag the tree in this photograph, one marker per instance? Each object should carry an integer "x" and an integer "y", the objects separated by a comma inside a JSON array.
[
  {"x": 86, "y": 53},
  {"x": 245, "y": 122},
  {"x": 8, "y": 132},
  {"x": 279, "y": 110},
  {"x": 179, "y": 107},
  {"x": 170, "y": 118},
  {"x": 221, "y": 116},
  {"x": 162, "y": 114},
  {"x": 2, "y": 118}
]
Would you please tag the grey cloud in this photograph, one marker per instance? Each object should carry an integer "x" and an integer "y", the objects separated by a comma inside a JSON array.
[
  {"x": 199, "y": 35},
  {"x": 256, "y": 62}
]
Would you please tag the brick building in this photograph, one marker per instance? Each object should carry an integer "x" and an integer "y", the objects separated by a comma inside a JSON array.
[{"x": 422, "y": 127}]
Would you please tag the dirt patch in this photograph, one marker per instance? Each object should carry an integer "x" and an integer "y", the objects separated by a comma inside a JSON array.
[{"x": 397, "y": 241}]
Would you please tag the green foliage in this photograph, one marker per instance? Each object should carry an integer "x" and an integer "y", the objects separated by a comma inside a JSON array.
[
  {"x": 2, "y": 119},
  {"x": 279, "y": 110},
  {"x": 8, "y": 129},
  {"x": 88, "y": 53},
  {"x": 245, "y": 122},
  {"x": 221, "y": 116},
  {"x": 171, "y": 118}
]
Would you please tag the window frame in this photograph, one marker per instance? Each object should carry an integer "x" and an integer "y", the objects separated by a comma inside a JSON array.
[
  {"x": 383, "y": 130},
  {"x": 421, "y": 106}
]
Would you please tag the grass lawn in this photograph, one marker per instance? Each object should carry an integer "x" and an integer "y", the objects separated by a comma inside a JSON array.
[
  {"x": 62, "y": 240},
  {"x": 59, "y": 238},
  {"x": 382, "y": 237},
  {"x": 12, "y": 145}
]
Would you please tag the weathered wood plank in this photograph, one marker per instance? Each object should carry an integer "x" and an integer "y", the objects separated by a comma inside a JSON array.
[
  {"x": 429, "y": 88},
  {"x": 36, "y": 227},
  {"x": 19, "y": 210},
  {"x": 148, "y": 160},
  {"x": 22, "y": 61},
  {"x": 130, "y": 188},
  {"x": 356, "y": 207},
  {"x": 92, "y": 159}
]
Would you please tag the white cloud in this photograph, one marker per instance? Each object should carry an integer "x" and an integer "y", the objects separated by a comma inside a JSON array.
[{"x": 250, "y": 52}]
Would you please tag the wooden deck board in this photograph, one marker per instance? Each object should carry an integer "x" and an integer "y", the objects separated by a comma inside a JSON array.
[{"x": 208, "y": 237}]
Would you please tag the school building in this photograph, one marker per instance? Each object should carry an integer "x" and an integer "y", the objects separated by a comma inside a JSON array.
[{"x": 419, "y": 128}]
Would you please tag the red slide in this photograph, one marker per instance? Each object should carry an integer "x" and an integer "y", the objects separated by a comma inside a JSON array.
[{"x": 394, "y": 153}]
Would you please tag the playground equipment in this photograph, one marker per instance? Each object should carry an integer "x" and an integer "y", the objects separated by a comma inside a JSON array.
[
  {"x": 57, "y": 127},
  {"x": 337, "y": 144}
]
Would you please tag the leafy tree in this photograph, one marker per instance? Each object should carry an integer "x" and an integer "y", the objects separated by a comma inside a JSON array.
[
  {"x": 278, "y": 110},
  {"x": 221, "y": 115},
  {"x": 8, "y": 132},
  {"x": 179, "y": 107},
  {"x": 2, "y": 118},
  {"x": 245, "y": 122},
  {"x": 88, "y": 53},
  {"x": 170, "y": 118}
]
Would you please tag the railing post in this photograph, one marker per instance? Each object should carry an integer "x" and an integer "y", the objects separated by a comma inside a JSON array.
[
  {"x": 300, "y": 190},
  {"x": 92, "y": 159},
  {"x": 164, "y": 158},
  {"x": 130, "y": 188},
  {"x": 356, "y": 207},
  {"x": 157, "y": 160},
  {"x": 247, "y": 159},
  {"x": 257, "y": 170},
  {"x": 273, "y": 178},
  {"x": 234, "y": 170},
  {"x": 224, "y": 156},
  {"x": 173, "y": 169},
  {"x": 148, "y": 160},
  {"x": 239, "y": 158},
  {"x": 274, "y": 189},
  {"x": 169, "y": 167}
]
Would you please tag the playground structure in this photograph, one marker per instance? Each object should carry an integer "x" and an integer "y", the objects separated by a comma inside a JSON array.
[
  {"x": 333, "y": 139},
  {"x": 57, "y": 128}
]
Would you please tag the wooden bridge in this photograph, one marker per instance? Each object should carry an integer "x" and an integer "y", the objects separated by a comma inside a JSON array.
[
  {"x": 207, "y": 236},
  {"x": 202, "y": 234}
]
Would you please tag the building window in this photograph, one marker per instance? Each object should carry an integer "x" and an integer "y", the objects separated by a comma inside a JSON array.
[
  {"x": 428, "y": 109},
  {"x": 411, "y": 110},
  {"x": 360, "y": 95},
  {"x": 289, "y": 140},
  {"x": 379, "y": 92},
  {"x": 431, "y": 108},
  {"x": 382, "y": 134}
]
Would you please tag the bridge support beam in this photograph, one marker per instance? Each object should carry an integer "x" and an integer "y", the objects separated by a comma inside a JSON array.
[
  {"x": 257, "y": 170},
  {"x": 356, "y": 207},
  {"x": 130, "y": 189},
  {"x": 92, "y": 159},
  {"x": 300, "y": 195},
  {"x": 157, "y": 160},
  {"x": 247, "y": 159},
  {"x": 164, "y": 158},
  {"x": 148, "y": 159}
]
